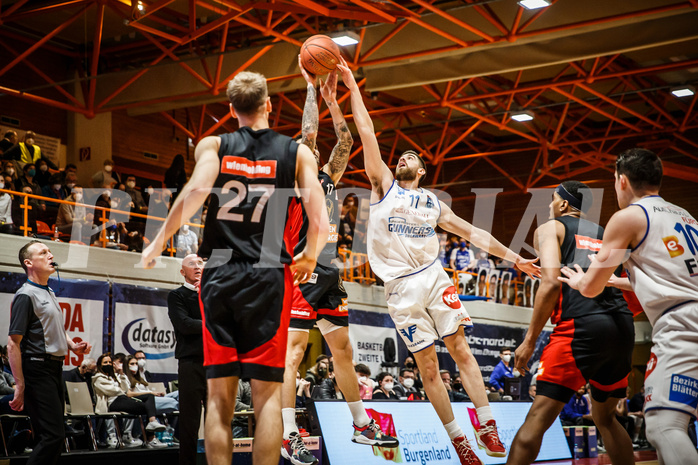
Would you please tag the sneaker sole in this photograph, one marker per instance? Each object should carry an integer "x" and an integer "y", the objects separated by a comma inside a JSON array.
[
  {"x": 285, "y": 455},
  {"x": 156, "y": 430},
  {"x": 373, "y": 442},
  {"x": 491, "y": 453}
]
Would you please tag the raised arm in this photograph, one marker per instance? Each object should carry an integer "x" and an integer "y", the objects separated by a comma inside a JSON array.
[
  {"x": 311, "y": 117},
  {"x": 191, "y": 198},
  {"x": 313, "y": 198},
  {"x": 340, "y": 153},
  {"x": 484, "y": 240},
  {"x": 378, "y": 172}
]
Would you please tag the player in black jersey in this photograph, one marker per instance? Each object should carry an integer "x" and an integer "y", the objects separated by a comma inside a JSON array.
[
  {"x": 593, "y": 338},
  {"x": 323, "y": 298},
  {"x": 246, "y": 285}
]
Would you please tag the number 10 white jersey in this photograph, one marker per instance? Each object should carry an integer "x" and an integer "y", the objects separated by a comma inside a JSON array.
[
  {"x": 401, "y": 232},
  {"x": 663, "y": 268}
]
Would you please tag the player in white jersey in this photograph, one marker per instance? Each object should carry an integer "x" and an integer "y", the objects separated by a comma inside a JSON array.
[
  {"x": 403, "y": 252},
  {"x": 663, "y": 271}
]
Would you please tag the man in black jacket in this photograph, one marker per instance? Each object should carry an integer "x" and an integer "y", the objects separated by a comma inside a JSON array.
[{"x": 184, "y": 312}]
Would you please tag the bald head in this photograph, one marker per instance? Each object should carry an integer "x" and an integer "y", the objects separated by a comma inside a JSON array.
[{"x": 192, "y": 265}]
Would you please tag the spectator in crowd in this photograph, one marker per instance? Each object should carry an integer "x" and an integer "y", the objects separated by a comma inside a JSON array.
[
  {"x": 113, "y": 395},
  {"x": 504, "y": 369},
  {"x": 451, "y": 244},
  {"x": 303, "y": 388},
  {"x": 347, "y": 221},
  {"x": 68, "y": 181},
  {"x": 142, "y": 365},
  {"x": 531, "y": 392},
  {"x": 185, "y": 315},
  {"x": 82, "y": 374},
  {"x": 175, "y": 177},
  {"x": 28, "y": 152},
  {"x": 462, "y": 258},
  {"x": 53, "y": 190},
  {"x": 404, "y": 388},
  {"x": 636, "y": 404},
  {"x": 69, "y": 168},
  {"x": 8, "y": 141},
  {"x": 6, "y": 225},
  {"x": 106, "y": 176},
  {"x": 163, "y": 403},
  {"x": 622, "y": 415},
  {"x": 453, "y": 396},
  {"x": 385, "y": 387},
  {"x": 43, "y": 175},
  {"x": 9, "y": 169},
  {"x": 73, "y": 219},
  {"x": 27, "y": 180},
  {"x": 363, "y": 375},
  {"x": 328, "y": 388},
  {"x": 576, "y": 412},
  {"x": 243, "y": 403},
  {"x": 409, "y": 363},
  {"x": 7, "y": 388},
  {"x": 18, "y": 212},
  {"x": 484, "y": 262},
  {"x": 187, "y": 241},
  {"x": 458, "y": 385},
  {"x": 318, "y": 372},
  {"x": 139, "y": 205}
]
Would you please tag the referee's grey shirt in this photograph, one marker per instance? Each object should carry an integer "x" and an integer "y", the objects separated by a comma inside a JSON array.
[{"x": 36, "y": 315}]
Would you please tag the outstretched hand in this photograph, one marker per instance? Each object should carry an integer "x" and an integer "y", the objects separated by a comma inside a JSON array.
[
  {"x": 309, "y": 78},
  {"x": 328, "y": 89},
  {"x": 302, "y": 268},
  {"x": 529, "y": 267},
  {"x": 571, "y": 277},
  {"x": 346, "y": 73}
]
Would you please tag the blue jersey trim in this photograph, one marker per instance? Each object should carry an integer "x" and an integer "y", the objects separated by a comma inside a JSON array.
[
  {"x": 674, "y": 307},
  {"x": 46, "y": 288},
  {"x": 647, "y": 231},
  {"x": 386, "y": 194},
  {"x": 423, "y": 348},
  {"x": 417, "y": 272},
  {"x": 693, "y": 417}
]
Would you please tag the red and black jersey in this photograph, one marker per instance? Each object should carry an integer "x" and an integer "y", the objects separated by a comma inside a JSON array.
[
  {"x": 250, "y": 200},
  {"x": 300, "y": 222},
  {"x": 583, "y": 238}
]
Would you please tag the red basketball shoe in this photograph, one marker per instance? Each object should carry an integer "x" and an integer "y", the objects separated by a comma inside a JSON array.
[{"x": 488, "y": 439}]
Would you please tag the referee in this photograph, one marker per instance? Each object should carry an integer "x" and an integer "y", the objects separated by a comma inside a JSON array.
[
  {"x": 185, "y": 314},
  {"x": 37, "y": 346}
]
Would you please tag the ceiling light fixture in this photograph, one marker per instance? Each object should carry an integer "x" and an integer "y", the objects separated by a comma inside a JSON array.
[
  {"x": 683, "y": 91},
  {"x": 345, "y": 38},
  {"x": 534, "y": 4},
  {"x": 522, "y": 116}
]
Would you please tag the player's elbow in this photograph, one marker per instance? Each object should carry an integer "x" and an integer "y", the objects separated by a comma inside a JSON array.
[{"x": 589, "y": 290}]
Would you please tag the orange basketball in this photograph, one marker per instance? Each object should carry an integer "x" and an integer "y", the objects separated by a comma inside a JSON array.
[{"x": 319, "y": 55}]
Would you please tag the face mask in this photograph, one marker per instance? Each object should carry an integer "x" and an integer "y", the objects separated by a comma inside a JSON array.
[
  {"x": 150, "y": 190},
  {"x": 506, "y": 358},
  {"x": 31, "y": 173},
  {"x": 56, "y": 187},
  {"x": 2, "y": 185},
  {"x": 70, "y": 185},
  {"x": 131, "y": 184},
  {"x": 457, "y": 386},
  {"x": 114, "y": 204},
  {"x": 141, "y": 363},
  {"x": 107, "y": 193},
  {"x": 322, "y": 372},
  {"x": 78, "y": 197},
  {"x": 29, "y": 141},
  {"x": 185, "y": 228},
  {"x": 516, "y": 373},
  {"x": 107, "y": 169},
  {"x": 388, "y": 386},
  {"x": 463, "y": 244},
  {"x": 108, "y": 369},
  {"x": 409, "y": 365},
  {"x": 10, "y": 171},
  {"x": 43, "y": 168},
  {"x": 363, "y": 379},
  {"x": 133, "y": 368},
  {"x": 408, "y": 383}
]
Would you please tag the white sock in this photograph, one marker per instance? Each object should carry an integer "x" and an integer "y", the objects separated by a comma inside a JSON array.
[
  {"x": 484, "y": 414},
  {"x": 289, "y": 417},
  {"x": 453, "y": 430},
  {"x": 358, "y": 412}
]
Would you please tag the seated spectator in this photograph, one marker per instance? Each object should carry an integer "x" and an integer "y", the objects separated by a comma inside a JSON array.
[
  {"x": 113, "y": 395},
  {"x": 27, "y": 180},
  {"x": 504, "y": 369},
  {"x": 9, "y": 169},
  {"x": 105, "y": 176},
  {"x": 576, "y": 412},
  {"x": 405, "y": 386},
  {"x": 318, "y": 372},
  {"x": 453, "y": 396},
  {"x": 243, "y": 403},
  {"x": 484, "y": 262},
  {"x": 53, "y": 190},
  {"x": 385, "y": 387},
  {"x": 347, "y": 220},
  {"x": 69, "y": 169},
  {"x": 531, "y": 392},
  {"x": 363, "y": 375},
  {"x": 462, "y": 258},
  {"x": 303, "y": 389},
  {"x": 328, "y": 389},
  {"x": 163, "y": 404},
  {"x": 9, "y": 140},
  {"x": 457, "y": 386},
  {"x": 43, "y": 175},
  {"x": 18, "y": 212},
  {"x": 73, "y": 219},
  {"x": 68, "y": 181},
  {"x": 7, "y": 391},
  {"x": 82, "y": 374},
  {"x": 187, "y": 241},
  {"x": 6, "y": 225}
]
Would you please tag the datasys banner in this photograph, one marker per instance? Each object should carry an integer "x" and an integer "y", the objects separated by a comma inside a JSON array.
[
  {"x": 141, "y": 323},
  {"x": 85, "y": 306}
]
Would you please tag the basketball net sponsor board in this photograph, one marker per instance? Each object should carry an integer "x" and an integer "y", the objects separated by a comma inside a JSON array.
[
  {"x": 423, "y": 439},
  {"x": 369, "y": 345},
  {"x": 84, "y": 305},
  {"x": 141, "y": 322}
]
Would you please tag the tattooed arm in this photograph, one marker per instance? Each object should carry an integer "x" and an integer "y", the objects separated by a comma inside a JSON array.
[
  {"x": 340, "y": 153},
  {"x": 311, "y": 117}
]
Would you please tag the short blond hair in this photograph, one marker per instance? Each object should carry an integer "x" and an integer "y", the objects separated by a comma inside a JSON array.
[{"x": 247, "y": 92}]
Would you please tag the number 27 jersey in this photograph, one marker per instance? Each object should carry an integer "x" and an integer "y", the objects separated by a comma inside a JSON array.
[{"x": 249, "y": 203}]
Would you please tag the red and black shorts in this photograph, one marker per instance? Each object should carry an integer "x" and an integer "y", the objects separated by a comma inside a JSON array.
[
  {"x": 595, "y": 348},
  {"x": 322, "y": 297},
  {"x": 245, "y": 312}
]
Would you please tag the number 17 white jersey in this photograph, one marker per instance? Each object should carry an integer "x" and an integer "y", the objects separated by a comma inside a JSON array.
[
  {"x": 663, "y": 268},
  {"x": 401, "y": 236}
]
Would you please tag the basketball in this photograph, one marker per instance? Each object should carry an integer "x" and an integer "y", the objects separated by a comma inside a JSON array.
[{"x": 319, "y": 55}]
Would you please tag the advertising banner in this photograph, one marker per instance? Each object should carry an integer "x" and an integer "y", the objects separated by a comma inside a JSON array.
[
  {"x": 84, "y": 304},
  {"x": 373, "y": 339},
  {"x": 141, "y": 323},
  {"x": 423, "y": 439}
]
